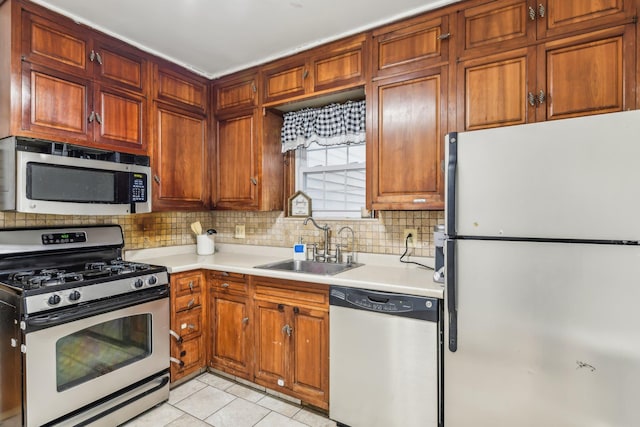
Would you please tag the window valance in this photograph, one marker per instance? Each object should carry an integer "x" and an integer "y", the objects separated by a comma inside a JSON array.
[{"x": 333, "y": 124}]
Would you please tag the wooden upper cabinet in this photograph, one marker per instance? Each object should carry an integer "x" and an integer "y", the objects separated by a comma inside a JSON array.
[
  {"x": 496, "y": 90},
  {"x": 331, "y": 67},
  {"x": 180, "y": 159},
  {"x": 117, "y": 65},
  {"x": 121, "y": 119},
  {"x": 405, "y": 149},
  {"x": 240, "y": 91},
  {"x": 588, "y": 74},
  {"x": 179, "y": 89},
  {"x": 410, "y": 45},
  {"x": 505, "y": 24},
  {"x": 54, "y": 45}
]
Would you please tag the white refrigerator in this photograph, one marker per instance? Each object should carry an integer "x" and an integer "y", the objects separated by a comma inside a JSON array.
[{"x": 542, "y": 264}]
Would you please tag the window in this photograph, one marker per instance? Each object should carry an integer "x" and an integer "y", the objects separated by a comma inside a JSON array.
[{"x": 334, "y": 177}]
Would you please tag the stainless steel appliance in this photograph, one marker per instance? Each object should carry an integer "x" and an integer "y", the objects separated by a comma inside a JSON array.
[
  {"x": 384, "y": 359},
  {"x": 39, "y": 176},
  {"x": 84, "y": 335},
  {"x": 542, "y": 268}
]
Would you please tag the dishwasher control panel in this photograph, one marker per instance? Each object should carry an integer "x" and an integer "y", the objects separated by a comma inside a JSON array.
[{"x": 395, "y": 304}]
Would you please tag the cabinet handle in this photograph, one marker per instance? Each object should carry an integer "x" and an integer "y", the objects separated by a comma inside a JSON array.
[
  {"x": 245, "y": 320},
  {"x": 92, "y": 55},
  {"x": 281, "y": 307},
  {"x": 176, "y": 361},
  {"x": 191, "y": 303},
  {"x": 444, "y": 36},
  {"x": 191, "y": 326},
  {"x": 541, "y": 97},
  {"x": 305, "y": 73},
  {"x": 541, "y": 10},
  {"x": 225, "y": 285},
  {"x": 532, "y": 14},
  {"x": 224, "y": 273},
  {"x": 99, "y": 58},
  {"x": 176, "y": 336},
  {"x": 253, "y": 87},
  {"x": 254, "y": 181},
  {"x": 191, "y": 286},
  {"x": 287, "y": 330},
  {"x": 156, "y": 178},
  {"x": 532, "y": 99},
  {"x": 98, "y": 119},
  {"x": 92, "y": 116}
]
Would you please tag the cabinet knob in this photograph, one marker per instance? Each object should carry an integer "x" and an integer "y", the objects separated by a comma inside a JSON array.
[
  {"x": 532, "y": 99},
  {"x": 280, "y": 307},
  {"x": 225, "y": 285},
  {"x": 254, "y": 181},
  {"x": 296, "y": 310},
  {"x": 245, "y": 320},
  {"x": 444, "y": 36},
  {"x": 287, "y": 330},
  {"x": 541, "y": 10},
  {"x": 532, "y": 13}
]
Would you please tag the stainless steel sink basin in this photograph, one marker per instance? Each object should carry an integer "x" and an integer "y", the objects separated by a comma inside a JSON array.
[{"x": 310, "y": 267}]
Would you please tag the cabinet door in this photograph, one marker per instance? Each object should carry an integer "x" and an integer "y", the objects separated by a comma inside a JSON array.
[
  {"x": 190, "y": 354},
  {"x": 588, "y": 74},
  {"x": 237, "y": 161},
  {"x": 339, "y": 65},
  {"x": 114, "y": 65},
  {"x": 310, "y": 338},
  {"x": 179, "y": 160},
  {"x": 120, "y": 120},
  {"x": 231, "y": 333},
  {"x": 410, "y": 45},
  {"x": 494, "y": 90},
  {"x": 56, "y": 104},
  {"x": 498, "y": 25},
  {"x": 406, "y": 150},
  {"x": 271, "y": 341},
  {"x": 557, "y": 17},
  {"x": 285, "y": 80},
  {"x": 54, "y": 45},
  {"x": 235, "y": 93},
  {"x": 177, "y": 88}
]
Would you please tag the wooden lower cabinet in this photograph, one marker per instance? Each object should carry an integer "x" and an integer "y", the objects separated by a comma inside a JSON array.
[
  {"x": 231, "y": 325},
  {"x": 187, "y": 319},
  {"x": 274, "y": 333},
  {"x": 292, "y": 339}
]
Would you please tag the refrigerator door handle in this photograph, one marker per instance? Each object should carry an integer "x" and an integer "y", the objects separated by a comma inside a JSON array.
[
  {"x": 450, "y": 280},
  {"x": 452, "y": 163}
]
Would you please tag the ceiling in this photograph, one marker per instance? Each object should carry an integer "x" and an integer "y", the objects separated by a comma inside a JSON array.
[{"x": 218, "y": 37}]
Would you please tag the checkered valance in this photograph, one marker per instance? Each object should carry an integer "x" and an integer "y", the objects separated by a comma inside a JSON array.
[{"x": 331, "y": 125}]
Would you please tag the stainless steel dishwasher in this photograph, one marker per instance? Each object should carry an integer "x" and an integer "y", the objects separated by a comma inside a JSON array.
[{"x": 384, "y": 359}]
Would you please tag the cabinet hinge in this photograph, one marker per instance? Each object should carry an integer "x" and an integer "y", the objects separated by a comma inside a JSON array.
[
  {"x": 635, "y": 19},
  {"x": 23, "y": 349}
]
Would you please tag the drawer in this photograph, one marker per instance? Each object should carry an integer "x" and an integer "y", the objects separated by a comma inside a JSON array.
[
  {"x": 304, "y": 294},
  {"x": 187, "y": 302},
  {"x": 225, "y": 275},
  {"x": 189, "y": 284},
  {"x": 189, "y": 323}
]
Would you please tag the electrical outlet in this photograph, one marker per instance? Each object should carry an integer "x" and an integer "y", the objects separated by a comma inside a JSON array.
[
  {"x": 411, "y": 242},
  {"x": 239, "y": 234}
]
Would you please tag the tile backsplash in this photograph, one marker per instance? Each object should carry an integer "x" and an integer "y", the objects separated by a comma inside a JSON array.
[{"x": 382, "y": 235}]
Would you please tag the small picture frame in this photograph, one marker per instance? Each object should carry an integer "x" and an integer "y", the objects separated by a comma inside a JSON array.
[{"x": 299, "y": 205}]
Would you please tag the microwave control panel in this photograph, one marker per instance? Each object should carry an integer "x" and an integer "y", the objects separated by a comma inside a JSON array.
[{"x": 138, "y": 187}]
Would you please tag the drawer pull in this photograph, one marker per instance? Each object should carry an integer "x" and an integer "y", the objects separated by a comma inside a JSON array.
[
  {"x": 176, "y": 361},
  {"x": 191, "y": 285},
  {"x": 225, "y": 285},
  {"x": 188, "y": 326},
  {"x": 287, "y": 330},
  {"x": 224, "y": 273},
  {"x": 191, "y": 303},
  {"x": 176, "y": 336},
  {"x": 245, "y": 320}
]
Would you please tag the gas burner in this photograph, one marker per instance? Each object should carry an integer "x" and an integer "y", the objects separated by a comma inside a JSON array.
[
  {"x": 51, "y": 272},
  {"x": 20, "y": 275},
  {"x": 95, "y": 265}
]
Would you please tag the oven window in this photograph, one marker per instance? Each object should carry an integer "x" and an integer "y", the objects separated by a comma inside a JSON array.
[{"x": 101, "y": 349}]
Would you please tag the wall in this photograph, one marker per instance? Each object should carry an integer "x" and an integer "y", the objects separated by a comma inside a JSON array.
[{"x": 383, "y": 235}]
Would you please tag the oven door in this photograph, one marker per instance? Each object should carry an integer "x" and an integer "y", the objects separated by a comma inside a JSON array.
[{"x": 77, "y": 363}]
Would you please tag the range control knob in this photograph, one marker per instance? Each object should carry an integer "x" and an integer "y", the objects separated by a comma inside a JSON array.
[
  {"x": 138, "y": 283},
  {"x": 54, "y": 299},
  {"x": 74, "y": 296},
  {"x": 153, "y": 280}
]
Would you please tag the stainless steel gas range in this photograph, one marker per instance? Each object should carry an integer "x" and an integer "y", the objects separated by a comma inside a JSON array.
[{"x": 83, "y": 334}]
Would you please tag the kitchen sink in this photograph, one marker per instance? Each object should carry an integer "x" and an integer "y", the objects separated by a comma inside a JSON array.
[{"x": 310, "y": 267}]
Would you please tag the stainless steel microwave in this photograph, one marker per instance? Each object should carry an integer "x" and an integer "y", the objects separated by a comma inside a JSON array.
[{"x": 38, "y": 176}]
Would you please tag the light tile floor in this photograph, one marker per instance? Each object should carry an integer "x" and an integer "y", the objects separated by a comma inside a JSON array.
[{"x": 210, "y": 400}]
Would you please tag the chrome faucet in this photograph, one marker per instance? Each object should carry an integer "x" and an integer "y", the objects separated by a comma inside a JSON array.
[
  {"x": 350, "y": 258},
  {"x": 324, "y": 228}
]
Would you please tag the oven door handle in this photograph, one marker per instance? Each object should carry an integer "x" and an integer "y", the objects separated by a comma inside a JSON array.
[{"x": 48, "y": 320}]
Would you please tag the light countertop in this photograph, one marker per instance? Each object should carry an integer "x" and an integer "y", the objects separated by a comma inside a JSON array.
[{"x": 380, "y": 272}]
